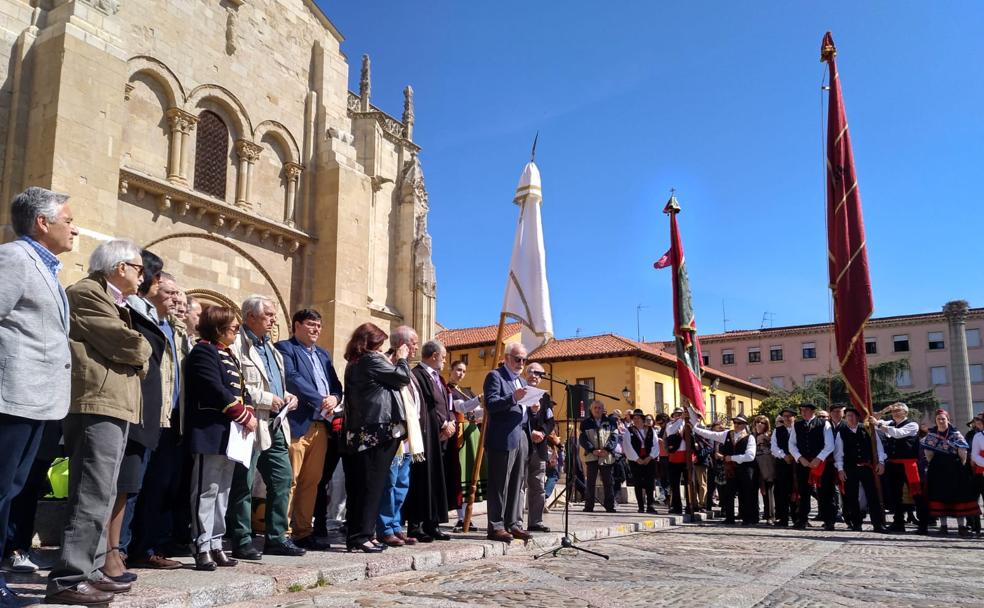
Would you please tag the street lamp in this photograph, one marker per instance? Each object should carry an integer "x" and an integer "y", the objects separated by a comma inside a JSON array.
[{"x": 627, "y": 394}]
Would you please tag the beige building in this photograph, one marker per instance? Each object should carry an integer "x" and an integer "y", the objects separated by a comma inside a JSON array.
[
  {"x": 796, "y": 354},
  {"x": 221, "y": 135}
]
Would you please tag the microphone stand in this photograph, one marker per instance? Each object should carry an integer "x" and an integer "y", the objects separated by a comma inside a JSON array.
[{"x": 567, "y": 541}]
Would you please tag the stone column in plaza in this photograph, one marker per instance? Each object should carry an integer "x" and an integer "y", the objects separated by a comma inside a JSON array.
[{"x": 956, "y": 318}]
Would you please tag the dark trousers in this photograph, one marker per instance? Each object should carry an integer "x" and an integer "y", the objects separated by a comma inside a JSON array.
[
  {"x": 678, "y": 474},
  {"x": 864, "y": 477},
  {"x": 608, "y": 500},
  {"x": 825, "y": 499},
  {"x": 20, "y": 438},
  {"x": 895, "y": 486},
  {"x": 782, "y": 491},
  {"x": 740, "y": 485},
  {"x": 332, "y": 457},
  {"x": 644, "y": 477},
  {"x": 274, "y": 465},
  {"x": 154, "y": 515},
  {"x": 20, "y": 525},
  {"x": 366, "y": 474}
]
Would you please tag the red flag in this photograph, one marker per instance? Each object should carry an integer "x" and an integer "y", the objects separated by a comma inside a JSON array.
[
  {"x": 684, "y": 324},
  {"x": 846, "y": 254}
]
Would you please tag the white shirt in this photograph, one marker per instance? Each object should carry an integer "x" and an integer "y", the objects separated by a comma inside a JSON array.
[
  {"x": 630, "y": 452},
  {"x": 977, "y": 449},
  {"x": 675, "y": 427},
  {"x": 828, "y": 442},
  {"x": 839, "y": 448},
  {"x": 722, "y": 436},
  {"x": 774, "y": 444},
  {"x": 906, "y": 430}
]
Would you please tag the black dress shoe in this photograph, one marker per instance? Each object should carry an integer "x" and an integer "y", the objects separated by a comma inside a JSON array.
[
  {"x": 829, "y": 527},
  {"x": 83, "y": 594},
  {"x": 204, "y": 561},
  {"x": 283, "y": 547},
  {"x": 109, "y": 586},
  {"x": 221, "y": 559},
  {"x": 421, "y": 536},
  {"x": 248, "y": 553},
  {"x": 366, "y": 547},
  {"x": 537, "y": 528},
  {"x": 436, "y": 534},
  {"x": 312, "y": 543}
]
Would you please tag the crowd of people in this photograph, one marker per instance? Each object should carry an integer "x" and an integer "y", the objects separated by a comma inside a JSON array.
[{"x": 188, "y": 430}]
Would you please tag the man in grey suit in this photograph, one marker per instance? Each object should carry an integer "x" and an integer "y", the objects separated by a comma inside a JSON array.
[
  {"x": 507, "y": 442},
  {"x": 35, "y": 363}
]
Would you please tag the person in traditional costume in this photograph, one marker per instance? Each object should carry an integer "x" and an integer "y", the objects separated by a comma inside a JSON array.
[
  {"x": 676, "y": 448},
  {"x": 785, "y": 465},
  {"x": 738, "y": 449},
  {"x": 857, "y": 468},
  {"x": 901, "y": 440},
  {"x": 976, "y": 440},
  {"x": 641, "y": 447},
  {"x": 468, "y": 417},
  {"x": 810, "y": 443},
  {"x": 948, "y": 482}
]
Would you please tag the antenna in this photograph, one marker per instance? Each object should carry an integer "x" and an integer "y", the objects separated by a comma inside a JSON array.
[
  {"x": 533, "y": 151},
  {"x": 724, "y": 317},
  {"x": 767, "y": 317},
  {"x": 577, "y": 332}
]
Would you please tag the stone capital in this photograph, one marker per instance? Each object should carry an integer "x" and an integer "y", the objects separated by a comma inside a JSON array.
[
  {"x": 248, "y": 150},
  {"x": 181, "y": 120},
  {"x": 293, "y": 171},
  {"x": 956, "y": 311}
]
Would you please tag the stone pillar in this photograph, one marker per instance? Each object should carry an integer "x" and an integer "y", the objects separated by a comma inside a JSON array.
[
  {"x": 292, "y": 171},
  {"x": 956, "y": 318},
  {"x": 248, "y": 153},
  {"x": 181, "y": 123}
]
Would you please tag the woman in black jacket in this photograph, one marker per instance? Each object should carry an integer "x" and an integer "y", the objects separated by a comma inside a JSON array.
[
  {"x": 214, "y": 397},
  {"x": 374, "y": 424}
]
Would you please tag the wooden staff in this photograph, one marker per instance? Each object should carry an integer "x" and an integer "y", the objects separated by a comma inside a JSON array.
[{"x": 480, "y": 453}]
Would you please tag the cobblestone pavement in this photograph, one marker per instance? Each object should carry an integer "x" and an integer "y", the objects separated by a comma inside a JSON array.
[{"x": 699, "y": 565}]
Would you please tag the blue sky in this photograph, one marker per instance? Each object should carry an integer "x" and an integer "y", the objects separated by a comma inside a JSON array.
[{"x": 718, "y": 100}]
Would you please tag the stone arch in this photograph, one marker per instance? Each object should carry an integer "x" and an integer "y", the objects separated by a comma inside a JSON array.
[
  {"x": 146, "y": 132},
  {"x": 163, "y": 74},
  {"x": 239, "y": 250},
  {"x": 280, "y": 132},
  {"x": 210, "y": 296},
  {"x": 234, "y": 109},
  {"x": 269, "y": 176}
]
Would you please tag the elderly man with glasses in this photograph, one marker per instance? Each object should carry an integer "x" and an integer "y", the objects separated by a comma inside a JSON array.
[{"x": 541, "y": 427}]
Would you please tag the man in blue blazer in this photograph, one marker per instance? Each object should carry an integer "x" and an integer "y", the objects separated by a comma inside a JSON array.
[
  {"x": 507, "y": 441},
  {"x": 311, "y": 376}
]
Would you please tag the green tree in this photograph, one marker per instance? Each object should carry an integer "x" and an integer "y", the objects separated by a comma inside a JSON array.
[{"x": 826, "y": 390}]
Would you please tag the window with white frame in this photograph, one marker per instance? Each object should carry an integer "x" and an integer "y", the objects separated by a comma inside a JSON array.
[
  {"x": 871, "y": 346},
  {"x": 937, "y": 375},
  {"x": 754, "y": 354},
  {"x": 727, "y": 357},
  {"x": 935, "y": 340},
  {"x": 900, "y": 343},
  {"x": 808, "y": 378},
  {"x": 976, "y": 373},
  {"x": 775, "y": 353},
  {"x": 706, "y": 358},
  {"x": 809, "y": 350},
  {"x": 904, "y": 378},
  {"x": 973, "y": 338},
  {"x": 778, "y": 381},
  {"x": 755, "y": 380}
]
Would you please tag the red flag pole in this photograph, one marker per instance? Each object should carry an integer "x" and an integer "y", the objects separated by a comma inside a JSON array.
[{"x": 847, "y": 257}]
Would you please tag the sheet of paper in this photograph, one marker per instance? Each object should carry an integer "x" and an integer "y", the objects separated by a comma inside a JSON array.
[
  {"x": 240, "y": 448},
  {"x": 532, "y": 396},
  {"x": 280, "y": 417}
]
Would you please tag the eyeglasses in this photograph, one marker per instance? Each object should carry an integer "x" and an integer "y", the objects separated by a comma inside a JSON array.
[
  {"x": 519, "y": 359},
  {"x": 138, "y": 267},
  {"x": 539, "y": 374}
]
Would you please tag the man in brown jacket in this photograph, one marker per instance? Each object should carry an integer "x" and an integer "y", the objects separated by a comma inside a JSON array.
[{"x": 108, "y": 359}]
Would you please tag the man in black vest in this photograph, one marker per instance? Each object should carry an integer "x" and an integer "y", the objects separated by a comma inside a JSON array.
[
  {"x": 837, "y": 425},
  {"x": 738, "y": 449},
  {"x": 856, "y": 467},
  {"x": 810, "y": 443},
  {"x": 641, "y": 448},
  {"x": 785, "y": 467},
  {"x": 901, "y": 437}
]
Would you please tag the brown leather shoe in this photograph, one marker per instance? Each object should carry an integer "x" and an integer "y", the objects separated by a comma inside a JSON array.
[
  {"x": 521, "y": 534},
  {"x": 204, "y": 561},
  {"x": 83, "y": 594},
  {"x": 500, "y": 535},
  {"x": 406, "y": 539},
  {"x": 392, "y": 540},
  {"x": 110, "y": 586},
  {"x": 154, "y": 562},
  {"x": 221, "y": 559}
]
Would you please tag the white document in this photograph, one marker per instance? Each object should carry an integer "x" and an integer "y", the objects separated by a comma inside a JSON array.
[
  {"x": 240, "y": 448},
  {"x": 532, "y": 396},
  {"x": 280, "y": 417},
  {"x": 465, "y": 406}
]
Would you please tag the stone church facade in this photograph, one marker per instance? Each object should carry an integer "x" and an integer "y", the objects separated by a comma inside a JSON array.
[{"x": 221, "y": 135}]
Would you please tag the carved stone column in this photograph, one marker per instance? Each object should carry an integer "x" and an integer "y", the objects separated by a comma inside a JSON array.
[
  {"x": 248, "y": 153},
  {"x": 181, "y": 124},
  {"x": 292, "y": 172},
  {"x": 956, "y": 318}
]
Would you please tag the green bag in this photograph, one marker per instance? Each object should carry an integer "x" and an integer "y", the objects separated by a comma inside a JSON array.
[{"x": 58, "y": 478}]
